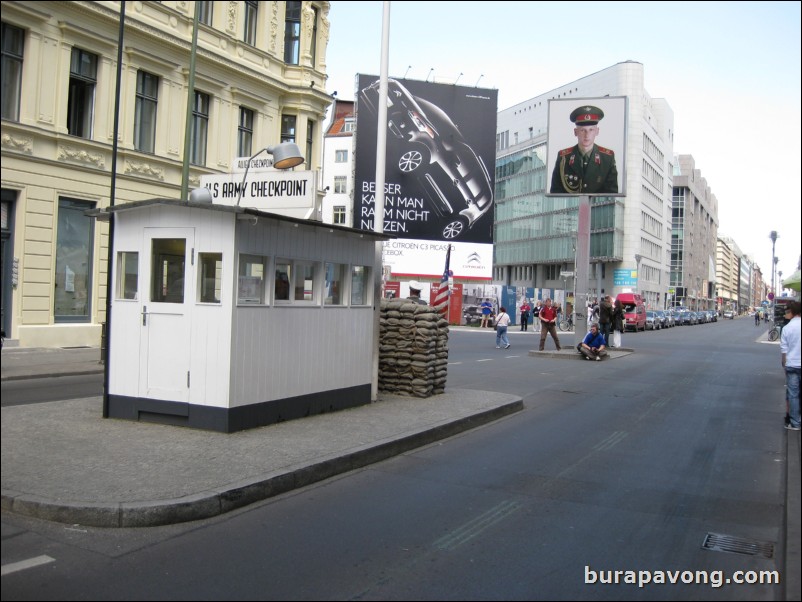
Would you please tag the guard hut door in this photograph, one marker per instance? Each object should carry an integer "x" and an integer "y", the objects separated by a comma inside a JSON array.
[{"x": 166, "y": 313}]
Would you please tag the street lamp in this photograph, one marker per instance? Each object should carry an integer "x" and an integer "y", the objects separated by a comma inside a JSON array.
[
  {"x": 285, "y": 156},
  {"x": 773, "y": 236},
  {"x": 637, "y": 271}
]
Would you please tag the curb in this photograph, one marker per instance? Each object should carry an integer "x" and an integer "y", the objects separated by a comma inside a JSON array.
[{"x": 217, "y": 501}]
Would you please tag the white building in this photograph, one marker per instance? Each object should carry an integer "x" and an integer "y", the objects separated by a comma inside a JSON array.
[
  {"x": 338, "y": 168},
  {"x": 260, "y": 74},
  {"x": 535, "y": 235}
]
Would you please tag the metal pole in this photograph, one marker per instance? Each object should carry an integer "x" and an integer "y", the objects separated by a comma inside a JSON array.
[
  {"x": 190, "y": 104},
  {"x": 378, "y": 203},
  {"x": 582, "y": 270},
  {"x": 112, "y": 194}
]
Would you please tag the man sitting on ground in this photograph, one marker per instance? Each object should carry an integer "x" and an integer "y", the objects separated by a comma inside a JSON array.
[{"x": 592, "y": 346}]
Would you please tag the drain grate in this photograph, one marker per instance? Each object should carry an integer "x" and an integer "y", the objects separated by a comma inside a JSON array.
[{"x": 738, "y": 545}]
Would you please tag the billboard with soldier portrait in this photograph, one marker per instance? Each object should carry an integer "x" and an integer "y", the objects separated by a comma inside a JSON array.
[{"x": 586, "y": 147}]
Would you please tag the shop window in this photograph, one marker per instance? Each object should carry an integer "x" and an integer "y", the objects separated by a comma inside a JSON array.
[{"x": 73, "y": 279}]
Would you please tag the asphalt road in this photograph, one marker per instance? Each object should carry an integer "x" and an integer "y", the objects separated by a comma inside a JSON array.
[{"x": 623, "y": 465}]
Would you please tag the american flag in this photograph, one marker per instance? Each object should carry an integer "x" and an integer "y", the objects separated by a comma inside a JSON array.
[{"x": 440, "y": 301}]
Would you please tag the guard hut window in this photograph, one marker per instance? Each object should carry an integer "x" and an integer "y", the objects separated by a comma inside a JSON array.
[
  {"x": 281, "y": 284},
  {"x": 127, "y": 275},
  {"x": 360, "y": 281},
  {"x": 304, "y": 285},
  {"x": 167, "y": 271},
  {"x": 335, "y": 277},
  {"x": 251, "y": 284},
  {"x": 211, "y": 277},
  {"x": 81, "y": 101}
]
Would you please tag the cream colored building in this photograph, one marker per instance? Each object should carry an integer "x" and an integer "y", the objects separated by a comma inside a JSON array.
[{"x": 260, "y": 75}]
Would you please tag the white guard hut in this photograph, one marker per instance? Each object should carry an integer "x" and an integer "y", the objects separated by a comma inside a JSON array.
[{"x": 227, "y": 318}]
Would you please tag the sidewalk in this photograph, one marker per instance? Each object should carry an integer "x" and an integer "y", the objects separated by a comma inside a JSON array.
[{"x": 80, "y": 468}]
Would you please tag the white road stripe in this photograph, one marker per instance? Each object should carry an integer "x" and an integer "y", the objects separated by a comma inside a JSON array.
[{"x": 7, "y": 569}]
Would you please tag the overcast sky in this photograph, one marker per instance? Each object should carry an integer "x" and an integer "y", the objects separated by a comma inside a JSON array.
[{"x": 729, "y": 71}]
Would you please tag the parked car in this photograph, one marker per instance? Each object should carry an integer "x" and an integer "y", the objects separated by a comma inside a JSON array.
[
  {"x": 728, "y": 314},
  {"x": 670, "y": 320},
  {"x": 652, "y": 320},
  {"x": 663, "y": 317},
  {"x": 701, "y": 316},
  {"x": 693, "y": 318}
]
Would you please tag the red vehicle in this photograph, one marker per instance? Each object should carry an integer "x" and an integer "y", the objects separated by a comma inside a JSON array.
[{"x": 634, "y": 311}]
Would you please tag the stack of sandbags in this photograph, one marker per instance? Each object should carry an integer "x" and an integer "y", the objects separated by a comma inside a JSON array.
[{"x": 413, "y": 349}]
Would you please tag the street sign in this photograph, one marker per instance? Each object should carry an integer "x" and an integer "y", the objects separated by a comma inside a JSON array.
[{"x": 566, "y": 274}]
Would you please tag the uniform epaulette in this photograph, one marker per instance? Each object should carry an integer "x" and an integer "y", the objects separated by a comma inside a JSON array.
[
  {"x": 566, "y": 151},
  {"x": 605, "y": 151}
]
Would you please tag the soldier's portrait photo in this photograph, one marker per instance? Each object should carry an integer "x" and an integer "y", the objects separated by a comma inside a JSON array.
[{"x": 587, "y": 167}]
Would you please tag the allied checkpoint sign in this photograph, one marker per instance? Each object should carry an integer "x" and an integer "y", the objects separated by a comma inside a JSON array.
[
  {"x": 288, "y": 193},
  {"x": 440, "y": 175}
]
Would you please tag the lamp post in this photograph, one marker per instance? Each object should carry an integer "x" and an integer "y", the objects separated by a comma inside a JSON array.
[
  {"x": 773, "y": 236},
  {"x": 285, "y": 156},
  {"x": 637, "y": 271}
]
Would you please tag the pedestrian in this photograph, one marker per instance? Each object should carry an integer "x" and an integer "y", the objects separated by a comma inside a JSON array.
[
  {"x": 791, "y": 363},
  {"x": 618, "y": 323},
  {"x": 548, "y": 325},
  {"x": 757, "y": 318},
  {"x": 502, "y": 322},
  {"x": 536, "y": 316},
  {"x": 487, "y": 308},
  {"x": 525, "y": 309},
  {"x": 415, "y": 289},
  {"x": 606, "y": 318},
  {"x": 593, "y": 346}
]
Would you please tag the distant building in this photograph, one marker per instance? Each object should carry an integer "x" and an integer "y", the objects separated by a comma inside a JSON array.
[
  {"x": 260, "y": 80},
  {"x": 694, "y": 232},
  {"x": 338, "y": 166}
]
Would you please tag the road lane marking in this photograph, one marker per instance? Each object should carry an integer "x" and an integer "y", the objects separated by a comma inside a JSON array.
[
  {"x": 474, "y": 527},
  {"x": 14, "y": 567}
]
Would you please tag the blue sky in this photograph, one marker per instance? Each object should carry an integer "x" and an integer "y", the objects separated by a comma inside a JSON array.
[{"x": 729, "y": 71}]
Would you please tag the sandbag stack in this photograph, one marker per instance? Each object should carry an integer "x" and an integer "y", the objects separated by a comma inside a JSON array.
[{"x": 413, "y": 349}]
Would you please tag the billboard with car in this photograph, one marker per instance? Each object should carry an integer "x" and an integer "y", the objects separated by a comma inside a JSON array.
[{"x": 440, "y": 160}]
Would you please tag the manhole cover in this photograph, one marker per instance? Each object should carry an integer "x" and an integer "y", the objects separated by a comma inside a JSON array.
[{"x": 738, "y": 545}]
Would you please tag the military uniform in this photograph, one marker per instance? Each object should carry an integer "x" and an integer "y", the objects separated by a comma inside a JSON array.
[{"x": 593, "y": 173}]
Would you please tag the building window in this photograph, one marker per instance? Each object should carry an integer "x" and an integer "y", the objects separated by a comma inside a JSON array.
[
  {"x": 127, "y": 275},
  {"x": 81, "y": 102},
  {"x": 74, "y": 245},
  {"x": 341, "y": 156},
  {"x": 147, "y": 96},
  {"x": 245, "y": 132},
  {"x": 310, "y": 130},
  {"x": 211, "y": 277},
  {"x": 206, "y": 12},
  {"x": 251, "y": 11},
  {"x": 251, "y": 285},
  {"x": 349, "y": 125},
  {"x": 339, "y": 214},
  {"x": 340, "y": 184},
  {"x": 200, "y": 127},
  {"x": 288, "y": 128},
  {"x": 292, "y": 33},
  {"x": 13, "y": 48}
]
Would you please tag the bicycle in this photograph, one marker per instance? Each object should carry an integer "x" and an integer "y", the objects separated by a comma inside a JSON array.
[
  {"x": 566, "y": 324},
  {"x": 774, "y": 333}
]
